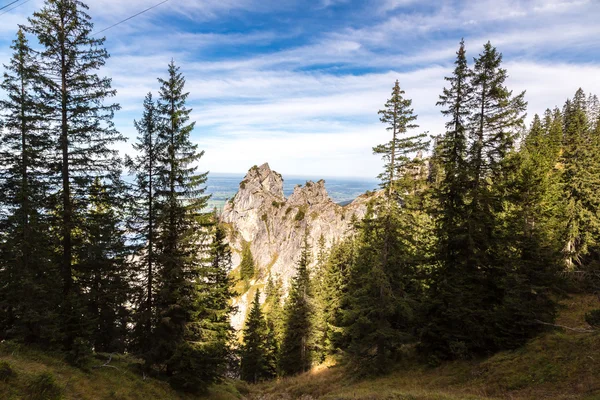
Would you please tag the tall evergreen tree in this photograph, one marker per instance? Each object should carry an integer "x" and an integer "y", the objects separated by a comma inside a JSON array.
[
  {"x": 256, "y": 355},
  {"x": 183, "y": 226},
  {"x": 379, "y": 308},
  {"x": 145, "y": 168},
  {"x": 75, "y": 97},
  {"x": 296, "y": 353},
  {"x": 247, "y": 263},
  {"x": 580, "y": 183},
  {"x": 28, "y": 301},
  {"x": 103, "y": 256}
]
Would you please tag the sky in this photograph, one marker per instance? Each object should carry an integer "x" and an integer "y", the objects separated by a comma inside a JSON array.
[{"x": 298, "y": 83}]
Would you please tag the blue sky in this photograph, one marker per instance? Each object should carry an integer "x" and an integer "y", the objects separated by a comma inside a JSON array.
[{"x": 298, "y": 83}]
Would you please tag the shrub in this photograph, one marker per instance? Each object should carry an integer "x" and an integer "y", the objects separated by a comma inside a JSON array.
[
  {"x": 300, "y": 216},
  {"x": 6, "y": 371},
  {"x": 593, "y": 318},
  {"x": 44, "y": 387}
]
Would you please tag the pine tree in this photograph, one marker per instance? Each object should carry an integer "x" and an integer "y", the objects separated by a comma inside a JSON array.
[
  {"x": 103, "y": 256},
  {"x": 580, "y": 183},
  {"x": 75, "y": 97},
  {"x": 182, "y": 228},
  {"x": 145, "y": 168},
  {"x": 379, "y": 304},
  {"x": 273, "y": 308},
  {"x": 469, "y": 286},
  {"x": 399, "y": 117},
  {"x": 28, "y": 301},
  {"x": 452, "y": 150},
  {"x": 319, "y": 318},
  {"x": 295, "y": 352},
  {"x": 247, "y": 263},
  {"x": 256, "y": 351}
]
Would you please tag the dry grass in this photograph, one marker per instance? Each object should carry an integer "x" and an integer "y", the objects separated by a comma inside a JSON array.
[{"x": 560, "y": 364}]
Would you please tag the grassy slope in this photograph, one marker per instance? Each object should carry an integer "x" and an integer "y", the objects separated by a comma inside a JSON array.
[
  {"x": 558, "y": 365},
  {"x": 119, "y": 381},
  {"x": 562, "y": 364}
]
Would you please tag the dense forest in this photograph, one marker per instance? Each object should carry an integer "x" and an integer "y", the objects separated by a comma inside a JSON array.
[{"x": 463, "y": 253}]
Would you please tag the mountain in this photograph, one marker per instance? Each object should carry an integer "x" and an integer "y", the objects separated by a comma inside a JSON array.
[{"x": 260, "y": 216}]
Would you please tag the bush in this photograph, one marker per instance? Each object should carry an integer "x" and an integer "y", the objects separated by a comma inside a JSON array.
[
  {"x": 6, "y": 371},
  {"x": 44, "y": 387},
  {"x": 593, "y": 318},
  {"x": 300, "y": 216}
]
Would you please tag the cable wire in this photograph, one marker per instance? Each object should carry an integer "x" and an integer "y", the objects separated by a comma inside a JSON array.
[
  {"x": 127, "y": 19},
  {"x": 10, "y": 9},
  {"x": 9, "y": 4}
]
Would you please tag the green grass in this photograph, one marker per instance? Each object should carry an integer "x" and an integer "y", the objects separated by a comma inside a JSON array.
[
  {"x": 560, "y": 364},
  {"x": 38, "y": 375}
]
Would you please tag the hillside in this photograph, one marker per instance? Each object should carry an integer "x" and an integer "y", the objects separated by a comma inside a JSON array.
[
  {"x": 34, "y": 375},
  {"x": 562, "y": 364}
]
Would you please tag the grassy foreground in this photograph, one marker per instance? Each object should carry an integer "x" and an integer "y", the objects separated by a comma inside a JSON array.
[
  {"x": 33, "y": 375},
  {"x": 562, "y": 364}
]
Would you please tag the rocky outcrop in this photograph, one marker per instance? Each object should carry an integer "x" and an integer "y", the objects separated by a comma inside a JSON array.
[{"x": 260, "y": 216}]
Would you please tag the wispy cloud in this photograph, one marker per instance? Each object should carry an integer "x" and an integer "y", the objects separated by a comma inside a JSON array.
[{"x": 299, "y": 83}]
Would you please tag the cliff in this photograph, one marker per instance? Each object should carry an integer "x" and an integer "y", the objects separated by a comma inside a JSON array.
[{"x": 260, "y": 216}]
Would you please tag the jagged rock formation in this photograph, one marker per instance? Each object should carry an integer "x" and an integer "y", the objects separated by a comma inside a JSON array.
[{"x": 260, "y": 216}]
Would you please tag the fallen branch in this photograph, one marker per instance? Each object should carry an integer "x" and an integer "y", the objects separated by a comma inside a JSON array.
[
  {"x": 106, "y": 364},
  {"x": 580, "y": 330}
]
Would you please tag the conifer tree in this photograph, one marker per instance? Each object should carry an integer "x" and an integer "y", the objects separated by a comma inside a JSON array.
[
  {"x": 580, "y": 183},
  {"x": 295, "y": 352},
  {"x": 145, "y": 168},
  {"x": 103, "y": 256},
  {"x": 247, "y": 263},
  {"x": 182, "y": 227},
  {"x": 28, "y": 301},
  {"x": 452, "y": 154},
  {"x": 273, "y": 308},
  {"x": 378, "y": 310},
  {"x": 75, "y": 98},
  {"x": 255, "y": 353},
  {"x": 469, "y": 283},
  {"x": 399, "y": 117}
]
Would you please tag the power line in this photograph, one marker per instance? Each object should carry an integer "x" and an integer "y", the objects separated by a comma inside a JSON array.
[
  {"x": 18, "y": 5},
  {"x": 127, "y": 19},
  {"x": 9, "y": 4}
]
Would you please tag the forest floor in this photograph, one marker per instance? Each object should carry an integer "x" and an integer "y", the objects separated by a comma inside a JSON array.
[{"x": 561, "y": 364}]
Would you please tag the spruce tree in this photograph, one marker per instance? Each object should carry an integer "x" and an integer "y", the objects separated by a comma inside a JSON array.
[
  {"x": 182, "y": 226},
  {"x": 379, "y": 308},
  {"x": 580, "y": 184},
  {"x": 295, "y": 352},
  {"x": 399, "y": 118},
  {"x": 84, "y": 135},
  {"x": 28, "y": 301},
  {"x": 145, "y": 168},
  {"x": 256, "y": 352},
  {"x": 103, "y": 256},
  {"x": 247, "y": 263}
]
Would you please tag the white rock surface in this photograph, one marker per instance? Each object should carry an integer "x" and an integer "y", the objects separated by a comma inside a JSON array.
[{"x": 274, "y": 226}]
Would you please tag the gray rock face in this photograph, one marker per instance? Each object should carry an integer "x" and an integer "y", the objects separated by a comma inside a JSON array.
[{"x": 274, "y": 226}]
